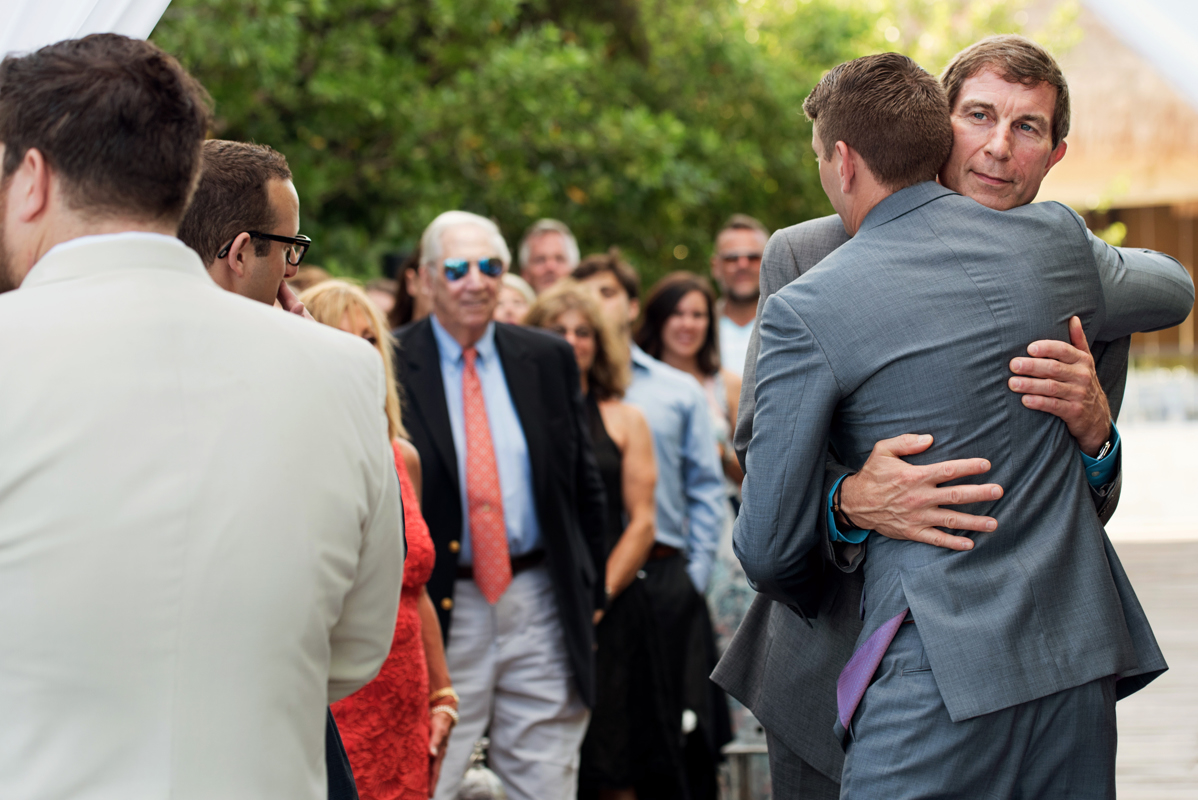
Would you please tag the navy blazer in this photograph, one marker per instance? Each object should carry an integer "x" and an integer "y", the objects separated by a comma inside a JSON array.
[{"x": 542, "y": 377}]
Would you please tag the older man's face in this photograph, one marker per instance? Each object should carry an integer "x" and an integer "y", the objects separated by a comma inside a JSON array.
[
  {"x": 1002, "y": 141},
  {"x": 548, "y": 261},
  {"x": 469, "y": 302}
]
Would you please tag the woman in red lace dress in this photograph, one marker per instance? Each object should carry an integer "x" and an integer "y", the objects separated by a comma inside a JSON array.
[{"x": 395, "y": 728}]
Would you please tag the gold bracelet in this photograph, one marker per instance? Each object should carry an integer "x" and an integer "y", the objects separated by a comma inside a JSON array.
[
  {"x": 449, "y": 710},
  {"x": 446, "y": 692}
]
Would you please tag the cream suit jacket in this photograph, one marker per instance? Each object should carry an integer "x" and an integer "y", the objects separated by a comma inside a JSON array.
[{"x": 200, "y": 531}]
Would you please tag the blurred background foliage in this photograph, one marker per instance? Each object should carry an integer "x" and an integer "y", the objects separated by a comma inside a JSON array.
[{"x": 639, "y": 123}]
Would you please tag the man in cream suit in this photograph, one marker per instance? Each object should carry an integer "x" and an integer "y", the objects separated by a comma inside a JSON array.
[{"x": 185, "y": 581}]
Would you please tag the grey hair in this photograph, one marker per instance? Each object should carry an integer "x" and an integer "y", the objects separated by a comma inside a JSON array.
[
  {"x": 432, "y": 245},
  {"x": 543, "y": 226}
]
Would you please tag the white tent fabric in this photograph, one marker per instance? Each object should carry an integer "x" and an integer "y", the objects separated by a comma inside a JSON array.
[
  {"x": 1163, "y": 32},
  {"x": 26, "y": 25}
]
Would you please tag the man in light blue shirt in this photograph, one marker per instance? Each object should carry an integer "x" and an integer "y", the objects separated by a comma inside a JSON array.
[
  {"x": 691, "y": 504},
  {"x": 691, "y": 513}
]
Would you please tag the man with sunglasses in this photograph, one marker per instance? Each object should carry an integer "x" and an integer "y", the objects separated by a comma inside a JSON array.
[
  {"x": 736, "y": 268},
  {"x": 515, "y": 506},
  {"x": 244, "y": 222}
]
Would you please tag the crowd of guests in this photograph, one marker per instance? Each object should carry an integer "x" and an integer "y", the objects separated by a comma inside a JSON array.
[
  {"x": 656, "y": 723},
  {"x": 562, "y": 459},
  {"x": 289, "y": 515},
  {"x": 625, "y": 710}
]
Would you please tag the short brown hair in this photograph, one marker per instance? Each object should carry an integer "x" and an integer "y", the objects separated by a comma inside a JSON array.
[
  {"x": 611, "y": 372},
  {"x": 743, "y": 222},
  {"x": 1015, "y": 59},
  {"x": 231, "y": 196},
  {"x": 888, "y": 109},
  {"x": 117, "y": 118},
  {"x": 612, "y": 262},
  {"x": 663, "y": 298}
]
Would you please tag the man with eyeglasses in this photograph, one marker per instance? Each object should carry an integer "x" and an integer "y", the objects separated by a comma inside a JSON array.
[
  {"x": 515, "y": 506},
  {"x": 244, "y": 222},
  {"x": 736, "y": 268}
]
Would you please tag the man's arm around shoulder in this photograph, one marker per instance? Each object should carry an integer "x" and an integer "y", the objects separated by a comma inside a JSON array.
[
  {"x": 1144, "y": 290},
  {"x": 778, "y": 530}
]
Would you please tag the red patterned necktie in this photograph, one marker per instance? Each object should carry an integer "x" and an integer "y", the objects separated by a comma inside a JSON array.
[{"x": 484, "y": 499}]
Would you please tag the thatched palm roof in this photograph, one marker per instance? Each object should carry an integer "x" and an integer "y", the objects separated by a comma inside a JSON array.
[{"x": 1134, "y": 139}]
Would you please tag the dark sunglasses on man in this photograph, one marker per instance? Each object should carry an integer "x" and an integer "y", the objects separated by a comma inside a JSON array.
[
  {"x": 297, "y": 246},
  {"x": 456, "y": 268},
  {"x": 732, "y": 258}
]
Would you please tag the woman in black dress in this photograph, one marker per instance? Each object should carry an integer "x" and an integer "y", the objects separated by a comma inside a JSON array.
[{"x": 632, "y": 749}]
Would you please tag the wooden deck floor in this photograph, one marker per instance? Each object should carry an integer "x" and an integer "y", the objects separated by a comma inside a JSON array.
[{"x": 1158, "y": 726}]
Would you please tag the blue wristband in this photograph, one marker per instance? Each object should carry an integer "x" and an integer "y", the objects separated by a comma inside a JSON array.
[
  {"x": 1099, "y": 470},
  {"x": 854, "y": 536}
]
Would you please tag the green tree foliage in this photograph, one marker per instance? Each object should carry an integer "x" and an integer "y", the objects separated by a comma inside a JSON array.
[{"x": 640, "y": 123}]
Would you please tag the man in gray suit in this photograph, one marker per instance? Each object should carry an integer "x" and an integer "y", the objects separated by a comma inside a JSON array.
[
  {"x": 1022, "y": 639},
  {"x": 775, "y": 653}
]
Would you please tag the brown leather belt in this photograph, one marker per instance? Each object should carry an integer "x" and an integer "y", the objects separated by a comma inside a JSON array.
[
  {"x": 519, "y": 564},
  {"x": 660, "y": 551}
]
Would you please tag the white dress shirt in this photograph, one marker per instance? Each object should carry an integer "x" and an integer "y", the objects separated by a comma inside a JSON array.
[{"x": 199, "y": 531}]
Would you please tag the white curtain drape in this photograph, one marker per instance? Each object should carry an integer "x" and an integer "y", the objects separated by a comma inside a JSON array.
[{"x": 26, "y": 25}]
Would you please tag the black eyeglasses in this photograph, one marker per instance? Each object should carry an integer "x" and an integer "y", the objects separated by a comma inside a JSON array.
[
  {"x": 294, "y": 253},
  {"x": 456, "y": 268}
]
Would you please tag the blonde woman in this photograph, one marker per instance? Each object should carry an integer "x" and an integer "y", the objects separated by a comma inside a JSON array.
[
  {"x": 630, "y": 750},
  {"x": 395, "y": 728},
  {"x": 515, "y": 298}
]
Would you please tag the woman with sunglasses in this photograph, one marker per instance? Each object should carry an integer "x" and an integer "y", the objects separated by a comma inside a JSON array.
[
  {"x": 396, "y": 727},
  {"x": 630, "y": 750}
]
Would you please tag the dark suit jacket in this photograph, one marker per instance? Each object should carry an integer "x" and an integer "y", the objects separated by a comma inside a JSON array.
[{"x": 542, "y": 377}]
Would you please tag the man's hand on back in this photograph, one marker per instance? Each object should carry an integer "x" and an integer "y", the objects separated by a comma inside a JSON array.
[
  {"x": 904, "y": 501},
  {"x": 1061, "y": 380}
]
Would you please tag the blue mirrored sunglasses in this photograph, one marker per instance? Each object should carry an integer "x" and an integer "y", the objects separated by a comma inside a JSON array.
[{"x": 456, "y": 268}]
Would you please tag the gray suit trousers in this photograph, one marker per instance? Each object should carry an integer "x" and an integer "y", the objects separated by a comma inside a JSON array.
[
  {"x": 904, "y": 746},
  {"x": 792, "y": 778}
]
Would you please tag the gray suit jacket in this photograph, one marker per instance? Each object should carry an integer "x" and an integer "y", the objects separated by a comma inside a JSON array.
[{"x": 775, "y": 654}]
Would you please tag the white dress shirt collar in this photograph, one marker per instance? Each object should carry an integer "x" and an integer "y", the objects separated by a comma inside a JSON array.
[
  {"x": 451, "y": 350},
  {"x": 87, "y": 256}
]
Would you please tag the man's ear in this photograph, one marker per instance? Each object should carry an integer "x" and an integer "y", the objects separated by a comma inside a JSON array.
[
  {"x": 845, "y": 166},
  {"x": 236, "y": 257},
  {"x": 31, "y": 186},
  {"x": 1056, "y": 155},
  {"x": 634, "y": 309}
]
